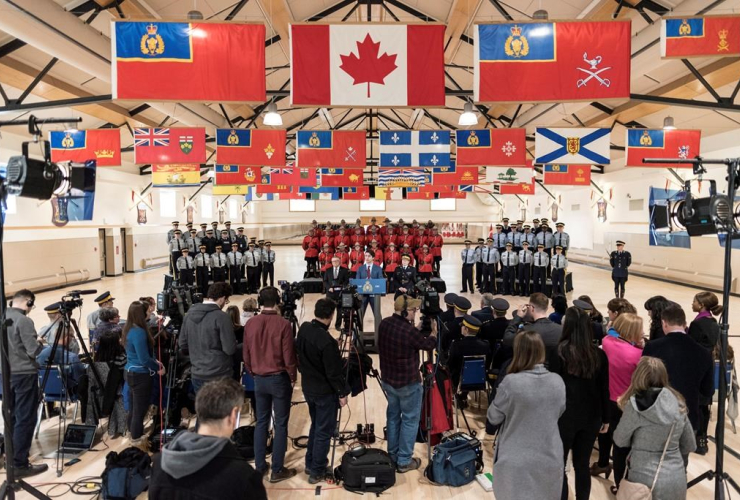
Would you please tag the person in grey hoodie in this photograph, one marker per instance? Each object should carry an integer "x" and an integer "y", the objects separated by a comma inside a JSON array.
[
  {"x": 654, "y": 413},
  {"x": 207, "y": 335},
  {"x": 206, "y": 465}
]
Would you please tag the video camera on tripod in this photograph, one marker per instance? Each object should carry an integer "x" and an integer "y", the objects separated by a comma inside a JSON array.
[
  {"x": 429, "y": 298},
  {"x": 73, "y": 299},
  {"x": 175, "y": 300},
  {"x": 291, "y": 293}
]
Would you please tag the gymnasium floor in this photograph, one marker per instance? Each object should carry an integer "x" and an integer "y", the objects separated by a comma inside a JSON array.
[{"x": 370, "y": 406}]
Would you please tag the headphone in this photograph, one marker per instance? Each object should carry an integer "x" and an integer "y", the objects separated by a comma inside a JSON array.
[
  {"x": 30, "y": 302},
  {"x": 260, "y": 300},
  {"x": 357, "y": 450},
  {"x": 405, "y": 312}
]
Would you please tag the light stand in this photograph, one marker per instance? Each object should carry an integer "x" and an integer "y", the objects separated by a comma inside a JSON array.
[{"x": 720, "y": 477}]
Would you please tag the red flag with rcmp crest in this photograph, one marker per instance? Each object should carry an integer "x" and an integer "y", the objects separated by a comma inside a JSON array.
[
  {"x": 700, "y": 36},
  {"x": 250, "y": 147},
  {"x": 102, "y": 145},
  {"x": 552, "y": 61}
]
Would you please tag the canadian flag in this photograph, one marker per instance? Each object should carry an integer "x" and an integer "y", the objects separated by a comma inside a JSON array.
[{"x": 362, "y": 65}]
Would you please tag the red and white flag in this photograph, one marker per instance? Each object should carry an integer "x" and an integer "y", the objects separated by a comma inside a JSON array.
[{"x": 367, "y": 65}]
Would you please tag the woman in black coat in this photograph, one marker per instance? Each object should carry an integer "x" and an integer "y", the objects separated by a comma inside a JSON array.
[
  {"x": 585, "y": 371},
  {"x": 705, "y": 330},
  {"x": 654, "y": 306}
]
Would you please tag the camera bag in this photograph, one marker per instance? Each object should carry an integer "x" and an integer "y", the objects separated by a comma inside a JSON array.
[{"x": 372, "y": 472}]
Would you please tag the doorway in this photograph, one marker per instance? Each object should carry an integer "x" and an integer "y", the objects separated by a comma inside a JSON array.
[
  {"x": 101, "y": 251},
  {"x": 124, "y": 250}
]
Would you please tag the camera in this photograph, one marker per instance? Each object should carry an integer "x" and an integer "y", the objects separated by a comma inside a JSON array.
[
  {"x": 429, "y": 299},
  {"x": 349, "y": 298},
  {"x": 175, "y": 300},
  {"x": 291, "y": 293}
]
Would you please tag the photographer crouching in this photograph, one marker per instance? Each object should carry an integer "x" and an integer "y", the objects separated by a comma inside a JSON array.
[{"x": 399, "y": 343}]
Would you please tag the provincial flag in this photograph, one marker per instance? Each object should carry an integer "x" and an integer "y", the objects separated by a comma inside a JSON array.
[
  {"x": 401, "y": 177},
  {"x": 572, "y": 146},
  {"x": 509, "y": 175},
  {"x": 252, "y": 195},
  {"x": 709, "y": 36},
  {"x": 659, "y": 143},
  {"x": 567, "y": 175},
  {"x": 221, "y": 62},
  {"x": 330, "y": 148},
  {"x": 237, "y": 175},
  {"x": 169, "y": 145},
  {"x": 387, "y": 193},
  {"x": 339, "y": 177},
  {"x": 102, "y": 145},
  {"x": 175, "y": 175},
  {"x": 366, "y": 65},
  {"x": 459, "y": 195},
  {"x": 461, "y": 175},
  {"x": 294, "y": 176},
  {"x": 523, "y": 188},
  {"x": 412, "y": 148},
  {"x": 552, "y": 61},
  {"x": 320, "y": 193},
  {"x": 356, "y": 193},
  {"x": 250, "y": 147},
  {"x": 499, "y": 146},
  {"x": 217, "y": 190},
  {"x": 417, "y": 194},
  {"x": 268, "y": 187}
]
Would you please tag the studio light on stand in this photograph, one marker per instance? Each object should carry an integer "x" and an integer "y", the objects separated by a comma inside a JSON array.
[
  {"x": 272, "y": 117},
  {"x": 467, "y": 117}
]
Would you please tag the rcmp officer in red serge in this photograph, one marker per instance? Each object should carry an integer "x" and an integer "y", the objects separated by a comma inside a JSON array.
[{"x": 620, "y": 260}]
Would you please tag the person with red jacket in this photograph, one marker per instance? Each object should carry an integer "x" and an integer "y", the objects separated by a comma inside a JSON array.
[
  {"x": 316, "y": 229},
  {"x": 371, "y": 236},
  {"x": 358, "y": 223},
  {"x": 325, "y": 257},
  {"x": 387, "y": 239},
  {"x": 391, "y": 260},
  {"x": 426, "y": 261},
  {"x": 343, "y": 256},
  {"x": 386, "y": 229},
  {"x": 357, "y": 237},
  {"x": 376, "y": 251},
  {"x": 356, "y": 258},
  {"x": 373, "y": 226},
  {"x": 435, "y": 243},
  {"x": 341, "y": 238},
  {"x": 428, "y": 228},
  {"x": 414, "y": 229},
  {"x": 420, "y": 240},
  {"x": 406, "y": 250},
  {"x": 406, "y": 238},
  {"x": 327, "y": 240},
  {"x": 311, "y": 255},
  {"x": 398, "y": 228}
]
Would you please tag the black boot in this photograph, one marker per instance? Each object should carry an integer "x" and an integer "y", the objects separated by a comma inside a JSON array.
[{"x": 702, "y": 445}]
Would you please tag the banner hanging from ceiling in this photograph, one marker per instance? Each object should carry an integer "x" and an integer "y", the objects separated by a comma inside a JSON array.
[
  {"x": 102, "y": 145},
  {"x": 710, "y": 36},
  {"x": 659, "y": 143},
  {"x": 250, "y": 147}
]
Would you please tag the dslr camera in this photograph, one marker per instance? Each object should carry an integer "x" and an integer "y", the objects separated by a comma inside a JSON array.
[{"x": 429, "y": 299}]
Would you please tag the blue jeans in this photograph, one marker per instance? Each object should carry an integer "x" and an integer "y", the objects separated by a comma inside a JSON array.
[
  {"x": 323, "y": 411},
  {"x": 402, "y": 420},
  {"x": 25, "y": 394},
  {"x": 272, "y": 392}
]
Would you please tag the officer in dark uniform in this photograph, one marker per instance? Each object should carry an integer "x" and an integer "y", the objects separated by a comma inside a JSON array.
[
  {"x": 219, "y": 264},
  {"x": 479, "y": 264},
  {"x": 505, "y": 228},
  {"x": 525, "y": 269},
  {"x": 210, "y": 242},
  {"x": 541, "y": 261},
  {"x": 468, "y": 345},
  {"x": 499, "y": 240},
  {"x": 405, "y": 277},
  {"x": 452, "y": 330},
  {"x": 202, "y": 262},
  {"x": 620, "y": 260},
  {"x": 449, "y": 313},
  {"x": 536, "y": 226},
  {"x": 510, "y": 265},
  {"x": 241, "y": 239},
  {"x": 203, "y": 229},
  {"x": 559, "y": 265}
]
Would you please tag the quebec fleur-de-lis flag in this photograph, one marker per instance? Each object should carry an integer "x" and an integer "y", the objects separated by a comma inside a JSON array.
[
  {"x": 223, "y": 62},
  {"x": 552, "y": 61},
  {"x": 102, "y": 145},
  {"x": 367, "y": 65}
]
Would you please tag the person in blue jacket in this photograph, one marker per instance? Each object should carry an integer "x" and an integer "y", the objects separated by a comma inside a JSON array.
[{"x": 140, "y": 366}]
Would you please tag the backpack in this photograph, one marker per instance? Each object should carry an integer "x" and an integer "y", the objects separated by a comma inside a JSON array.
[
  {"x": 456, "y": 461},
  {"x": 243, "y": 439},
  {"x": 126, "y": 474},
  {"x": 370, "y": 471}
]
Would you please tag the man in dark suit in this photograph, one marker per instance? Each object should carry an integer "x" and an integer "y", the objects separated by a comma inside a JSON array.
[
  {"x": 335, "y": 278},
  {"x": 369, "y": 270},
  {"x": 405, "y": 278},
  {"x": 690, "y": 366}
]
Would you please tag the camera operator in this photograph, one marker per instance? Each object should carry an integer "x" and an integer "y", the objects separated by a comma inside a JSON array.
[
  {"x": 207, "y": 334},
  {"x": 335, "y": 278},
  {"x": 23, "y": 347},
  {"x": 399, "y": 343},
  {"x": 324, "y": 385},
  {"x": 269, "y": 356}
]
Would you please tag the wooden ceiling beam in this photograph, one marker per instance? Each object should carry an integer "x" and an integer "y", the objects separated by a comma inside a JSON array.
[
  {"x": 279, "y": 17},
  {"x": 460, "y": 17}
]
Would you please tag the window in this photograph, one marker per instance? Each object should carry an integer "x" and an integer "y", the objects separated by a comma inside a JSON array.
[
  {"x": 443, "y": 204},
  {"x": 637, "y": 205},
  {"x": 167, "y": 203},
  {"x": 302, "y": 205},
  {"x": 575, "y": 208},
  {"x": 233, "y": 208},
  {"x": 10, "y": 206},
  {"x": 206, "y": 206},
  {"x": 372, "y": 205}
]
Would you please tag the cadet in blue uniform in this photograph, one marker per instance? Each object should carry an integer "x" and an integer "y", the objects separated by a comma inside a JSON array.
[
  {"x": 185, "y": 267},
  {"x": 559, "y": 264},
  {"x": 510, "y": 264},
  {"x": 525, "y": 266},
  {"x": 490, "y": 258},
  {"x": 620, "y": 260},
  {"x": 479, "y": 265},
  {"x": 468, "y": 261},
  {"x": 539, "y": 269}
]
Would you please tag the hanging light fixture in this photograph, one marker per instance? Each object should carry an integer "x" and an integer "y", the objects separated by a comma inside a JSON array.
[
  {"x": 467, "y": 117},
  {"x": 195, "y": 14},
  {"x": 668, "y": 123},
  {"x": 541, "y": 15},
  {"x": 272, "y": 117}
]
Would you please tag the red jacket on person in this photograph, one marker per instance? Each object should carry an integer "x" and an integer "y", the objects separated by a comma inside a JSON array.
[
  {"x": 341, "y": 239},
  {"x": 356, "y": 258},
  {"x": 325, "y": 260},
  {"x": 425, "y": 263},
  {"x": 311, "y": 246},
  {"x": 343, "y": 258},
  {"x": 435, "y": 245},
  {"x": 357, "y": 238},
  {"x": 392, "y": 260},
  {"x": 328, "y": 240}
]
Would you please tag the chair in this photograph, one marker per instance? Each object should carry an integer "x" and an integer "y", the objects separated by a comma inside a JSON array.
[
  {"x": 248, "y": 384},
  {"x": 55, "y": 391},
  {"x": 473, "y": 378}
]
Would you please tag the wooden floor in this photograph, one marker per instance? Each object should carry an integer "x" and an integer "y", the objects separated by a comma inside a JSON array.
[{"x": 371, "y": 406}]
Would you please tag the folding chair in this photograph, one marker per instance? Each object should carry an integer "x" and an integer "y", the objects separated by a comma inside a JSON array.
[
  {"x": 473, "y": 377},
  {"x": 248, "y": 384},
  {"x": 55, "y": 392}
]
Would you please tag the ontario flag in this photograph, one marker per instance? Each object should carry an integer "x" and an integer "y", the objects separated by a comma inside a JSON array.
[
  {"x": 237, "y": 175},
  {"x": 499, "y": 146},
  {"x": 250, "y": 147},
  {"x": 548, "y": 61},
  {"x": 659, "y": 143},
  {"x": 356, "y": 193},
  {"x": 567, "y": 175},
  {"x": 710, "y": 36},
  {"x": 339, "y": 177},
  {"x": 366, "y": 65},
  {"x": 330, "y": 148},
  {"x": 169, "y": 145},
  {"x": 294, "y": 176},
  {"x": 102, "y": 145},
  {"x": 222, "y": 62}
]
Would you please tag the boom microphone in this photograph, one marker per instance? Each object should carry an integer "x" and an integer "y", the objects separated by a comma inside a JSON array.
[{"x": 83, "y": 292}]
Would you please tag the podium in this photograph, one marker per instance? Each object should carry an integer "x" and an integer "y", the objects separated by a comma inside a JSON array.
[{"x": 374, "y": 289}]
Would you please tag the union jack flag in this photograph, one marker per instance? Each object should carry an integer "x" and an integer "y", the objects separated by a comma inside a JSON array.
[{"x": 151, "y": 137}]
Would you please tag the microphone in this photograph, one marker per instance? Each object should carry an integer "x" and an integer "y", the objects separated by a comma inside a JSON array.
[{"x": 83, "y": 292}]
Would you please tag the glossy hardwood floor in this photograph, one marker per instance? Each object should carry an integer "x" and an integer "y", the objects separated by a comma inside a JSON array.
[{"x": 370, "y": 407}]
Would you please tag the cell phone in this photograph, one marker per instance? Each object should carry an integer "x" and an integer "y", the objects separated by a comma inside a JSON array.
[{"x": 72, "y": 462}]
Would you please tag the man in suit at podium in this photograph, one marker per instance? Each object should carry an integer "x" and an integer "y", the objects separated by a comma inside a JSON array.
[
  {"x": 369, "y": 270},
  {"x": 335, "y": 278}
]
